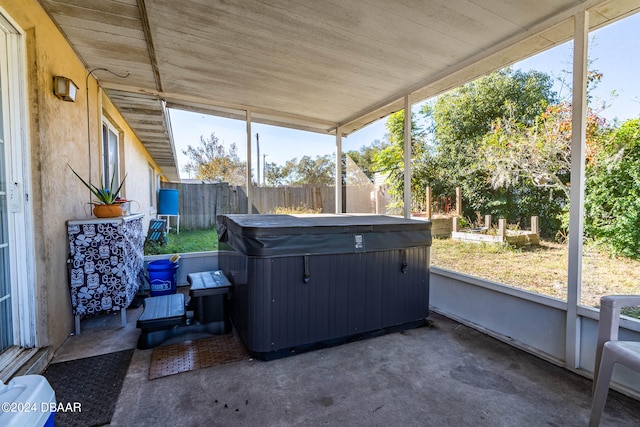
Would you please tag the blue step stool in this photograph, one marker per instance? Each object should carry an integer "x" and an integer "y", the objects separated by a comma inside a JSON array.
[
  {"x": 210, "y": 298},
  {"x": 166, "y": 316},
  {"x": 160, "y": 319}
]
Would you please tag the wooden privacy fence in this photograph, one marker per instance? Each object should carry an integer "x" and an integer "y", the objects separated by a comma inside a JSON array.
[
  {"x": 200, "y": 203},
  {"x": 315, "y": 198}
]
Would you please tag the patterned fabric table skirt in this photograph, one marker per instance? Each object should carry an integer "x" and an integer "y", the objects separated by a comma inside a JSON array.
[{"x": 105, "y": 262}]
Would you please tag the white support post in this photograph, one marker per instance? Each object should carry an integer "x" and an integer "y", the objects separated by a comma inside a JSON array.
[
  {"x": 407, "y": 157},
  {"x": 338, "y": 179},
  {"x": 534, "y": 224},
  {"x": 248, "y": 177},
  {"x": 502, "y": 228},
  {"x": 487, "y": 221},
  {"x": 576, "y": 197}
]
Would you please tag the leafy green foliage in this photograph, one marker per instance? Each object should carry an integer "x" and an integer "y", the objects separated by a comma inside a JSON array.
[
  {"x": 462, "y": 117},
  {"x": 536, "y": 160},
  {"x": 612, "y": 200},
  {"x": 210, "y": 160},
  {"x": 365, "y": 157},
  {"x": 107, "y": 196},
  {"x": 540, "y": 153},
  {"x": 390, "y": 160}
]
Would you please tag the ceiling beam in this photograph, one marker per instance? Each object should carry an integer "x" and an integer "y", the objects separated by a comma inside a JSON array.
[
  {"x": 176, "y": 100},
  {"x": 144, "y": 18}
]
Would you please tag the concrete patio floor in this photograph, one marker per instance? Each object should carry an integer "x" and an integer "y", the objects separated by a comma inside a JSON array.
[{"x": 443, "y": 374}]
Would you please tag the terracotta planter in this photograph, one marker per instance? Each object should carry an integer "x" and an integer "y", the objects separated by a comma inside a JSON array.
[{"x": 107, "y": 211}]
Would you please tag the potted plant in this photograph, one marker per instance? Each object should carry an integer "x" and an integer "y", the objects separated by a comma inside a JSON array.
[{"x": 108, "y": 199}]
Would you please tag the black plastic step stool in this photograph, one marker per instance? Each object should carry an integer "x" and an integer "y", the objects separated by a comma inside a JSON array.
[
  {"x": 209, "y": 301},
  {"x": 160, "y": 319}
]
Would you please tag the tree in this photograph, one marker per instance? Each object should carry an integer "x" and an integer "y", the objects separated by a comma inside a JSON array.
[
  {"x": 365, "y": 157},
  {"x": 390, "y": 160},
  {"x": 320, "y": 171},
  {"x": 210, "y": 160},
  {"x": 533, "y": 162},
  {"x": 274, "y": 174},
  {"x": 462, "y": 117},
  {"x": 539, "y": 154},
  {"x": 612, "y": 199}
]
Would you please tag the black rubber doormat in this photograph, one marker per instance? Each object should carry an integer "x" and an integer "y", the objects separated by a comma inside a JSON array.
[{"x": 91, "y": 384}]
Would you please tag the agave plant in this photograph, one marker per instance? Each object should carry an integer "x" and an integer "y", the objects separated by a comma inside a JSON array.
[{"x": 106, "y": 196}]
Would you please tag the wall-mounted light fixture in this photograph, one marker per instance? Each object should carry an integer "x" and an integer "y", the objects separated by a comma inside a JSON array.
[{"x": 64, "y": 88}]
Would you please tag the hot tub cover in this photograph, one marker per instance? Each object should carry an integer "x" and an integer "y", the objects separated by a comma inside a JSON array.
[{"x": 285, "y": 235}]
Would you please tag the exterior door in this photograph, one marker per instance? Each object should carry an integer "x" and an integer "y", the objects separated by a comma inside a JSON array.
[
  {"x": 6, "y": 313},
  {"x": 17, "y": 258}
]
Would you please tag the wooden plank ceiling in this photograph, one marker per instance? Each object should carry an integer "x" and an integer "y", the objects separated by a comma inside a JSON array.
[{"x": 305, "y": 64}]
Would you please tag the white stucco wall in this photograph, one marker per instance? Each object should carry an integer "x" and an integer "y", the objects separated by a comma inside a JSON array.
[{"x": 58, "y": 134}]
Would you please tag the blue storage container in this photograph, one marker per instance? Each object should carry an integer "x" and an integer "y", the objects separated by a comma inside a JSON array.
[
  {"x": 168, "y": 201},
  {"x": 162, "y": 277},
  {"x": 28, "y": 400}
]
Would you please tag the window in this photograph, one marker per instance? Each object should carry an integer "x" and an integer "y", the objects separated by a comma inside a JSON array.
[
  {"x": 152, "y": 189},
  {"x": 110, "y": 155}
]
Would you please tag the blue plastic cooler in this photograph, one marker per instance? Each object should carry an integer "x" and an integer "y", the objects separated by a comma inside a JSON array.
[{"x": 28, "y": 400}]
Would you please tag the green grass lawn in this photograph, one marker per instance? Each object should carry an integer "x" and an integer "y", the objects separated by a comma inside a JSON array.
[{"x": 186, "y": 241}]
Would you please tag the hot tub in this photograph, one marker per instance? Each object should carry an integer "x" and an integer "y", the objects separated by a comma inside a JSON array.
[{"x": 302, "y": 281}]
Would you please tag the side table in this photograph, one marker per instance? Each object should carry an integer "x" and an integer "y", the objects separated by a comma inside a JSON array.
[{"x": 106, "y": 258}]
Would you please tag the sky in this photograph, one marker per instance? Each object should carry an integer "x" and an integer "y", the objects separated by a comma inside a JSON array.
[{"x": 613, "y": 50}]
